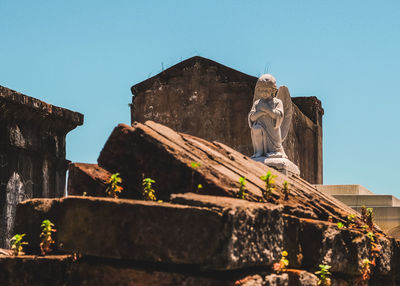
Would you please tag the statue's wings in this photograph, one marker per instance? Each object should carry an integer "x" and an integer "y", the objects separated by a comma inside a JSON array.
[{"x": 284, "y": 96}]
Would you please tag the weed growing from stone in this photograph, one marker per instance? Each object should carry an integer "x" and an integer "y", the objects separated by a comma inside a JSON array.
[
  {"x": 242, "y": 193},
  {"x": 370, "y": 217},
  {"x": 375, "y": 247},
  {"x": 269, "y": 185},
  {"x": 47, "y": 240},
  {"x": 323, "y": 275},
  {"x": 371, "y": 236},
  {"x": 340, "y": 225},
  {"x": 199, "y": 187},
  {"x": 350, "y": 221},
  {"x": 368, "y": 264},
  {"x": 17, "y": 244},
  {"x": 148, "y": 193},
  {"x": 282, "y": 264},
  {"x": 113, "y": 188},
  {"x": 195, "y": 165},
  {"x": 286, "y": 190}
]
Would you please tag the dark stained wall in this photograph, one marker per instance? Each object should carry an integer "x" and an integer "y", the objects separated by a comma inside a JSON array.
[
  {"x": 209, "y": 100},
  {"x": 32, "y": 152}
]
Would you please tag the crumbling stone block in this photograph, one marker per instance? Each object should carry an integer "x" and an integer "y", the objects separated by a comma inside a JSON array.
[
  {"x": 222, "y": 234},
  {"x": 310, "y": 243},
  {"x": 299, "y": 277},
  {"x": 156, "y": 151},
  {"x": 68, "y": 271},
  {"x": 91, "y": 273},
  {"x": 89, "y": 179},
  {"x": 35, "y": 270}
]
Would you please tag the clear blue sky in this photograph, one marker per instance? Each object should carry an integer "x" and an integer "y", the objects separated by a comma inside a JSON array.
[{"x": 85, "y": 56}]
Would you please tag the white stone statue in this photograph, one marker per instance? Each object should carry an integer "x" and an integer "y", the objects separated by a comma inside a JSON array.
[{"x": 270, "y": 119}]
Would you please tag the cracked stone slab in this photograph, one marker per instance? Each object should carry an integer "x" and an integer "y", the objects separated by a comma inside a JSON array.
[{"x": 220, "y": 234}]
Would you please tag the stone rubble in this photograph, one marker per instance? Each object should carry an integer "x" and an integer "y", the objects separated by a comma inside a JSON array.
[{"x": 204, "y": 236}]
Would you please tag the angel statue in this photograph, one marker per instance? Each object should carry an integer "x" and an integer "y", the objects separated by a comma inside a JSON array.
[{"x": 270, "y": 119}]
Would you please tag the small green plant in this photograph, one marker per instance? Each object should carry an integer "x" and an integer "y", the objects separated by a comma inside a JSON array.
[
  {"x": 340, "y": 225},
  {"x": 324, "y": 274},
  {"x": 47, "y": 240},
  {"x": 375, "y": 247},
  {"x": 113, "y": 188},
  {"x": 194, "y": 165},
  {"x": 371, "y": 236},
  {"x": 148, "y": 193},
  {"x": 199, "y": 187},
  {"x": 242, "y": 193},
  {"x": 286, "y": 190},
  {"x": 17, "y": 244},
  {"x": 269, "y": 185},
  {"x": 370, "y": 217},
  {"x": 350, "y": 221},
  {"x": 282, "y": 264}
]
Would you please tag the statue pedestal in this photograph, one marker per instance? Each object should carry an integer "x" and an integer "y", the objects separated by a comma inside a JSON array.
[{"x": 283, "y": 165}]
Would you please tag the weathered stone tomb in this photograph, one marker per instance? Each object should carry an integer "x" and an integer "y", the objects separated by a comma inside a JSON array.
[
  {"x": 209, "y": 100},
  {"x": 32, "y": 152}
]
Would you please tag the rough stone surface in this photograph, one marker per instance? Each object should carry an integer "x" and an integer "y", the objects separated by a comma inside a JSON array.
[
  {"x": 65, "y": 270},
  {"x": 32, "y": 152},
  {"x": 134, "y": 151},
  {"x": 86, "y": 273},
  {"x": 209, "y": 100},
  {"x": 87, "y": 178},
  {"x": 276, "y": 280},
  {"x": 35, "y": 270},
  {"x": 310, "y": 243},
  {"x": 222, "y": 234},
  {"x": 301, "y": 278},
  {"x": 199, "y": 233}
]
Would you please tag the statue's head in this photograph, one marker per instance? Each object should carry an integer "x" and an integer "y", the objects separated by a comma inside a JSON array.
[{"x": 266, "y": 86}]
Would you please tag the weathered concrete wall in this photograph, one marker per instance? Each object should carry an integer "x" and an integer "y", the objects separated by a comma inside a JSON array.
[
  {"x": 206, "y": 99},
  {"x": 32, "y": 152}
]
